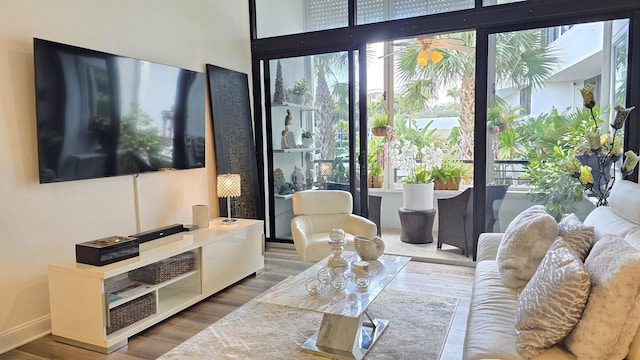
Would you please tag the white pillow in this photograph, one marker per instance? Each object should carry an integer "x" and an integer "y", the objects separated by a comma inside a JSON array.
[
  {"x": 576, "y": 234},
  {"x": 524, "y": 244},
  {"x": 552, "y": 302},
  {"x": 612, "y": 315}
]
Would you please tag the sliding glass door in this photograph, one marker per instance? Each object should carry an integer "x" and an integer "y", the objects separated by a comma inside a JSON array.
[{"x": 312, "y": 132}]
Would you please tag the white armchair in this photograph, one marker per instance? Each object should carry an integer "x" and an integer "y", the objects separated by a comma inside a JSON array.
[{"x": 319, "y": 211}]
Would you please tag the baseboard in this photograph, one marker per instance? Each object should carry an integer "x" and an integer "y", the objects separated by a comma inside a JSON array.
[
  {"x": 280, "y": 245},
  {"x": 20, "y": 335}
]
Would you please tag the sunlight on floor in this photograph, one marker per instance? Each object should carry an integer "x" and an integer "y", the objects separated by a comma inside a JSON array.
[{"x": 423, "y": 252}]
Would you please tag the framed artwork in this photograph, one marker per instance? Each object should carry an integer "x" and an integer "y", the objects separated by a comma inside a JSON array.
[{"x": 235, "y": 148}]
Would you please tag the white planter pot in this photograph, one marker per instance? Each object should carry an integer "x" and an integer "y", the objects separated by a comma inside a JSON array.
[
  {"x": 307, "y": 142},
  {"x": 417, "y": 196}
]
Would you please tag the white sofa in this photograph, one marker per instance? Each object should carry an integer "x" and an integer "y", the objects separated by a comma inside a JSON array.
[{"x": 490, "y": 332}]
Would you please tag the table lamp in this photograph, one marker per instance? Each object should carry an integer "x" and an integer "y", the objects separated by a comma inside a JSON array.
[{"x": 229, "y": 186}]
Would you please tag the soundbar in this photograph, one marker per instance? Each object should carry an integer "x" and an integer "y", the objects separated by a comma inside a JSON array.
[{"x": 158, "y": 233}]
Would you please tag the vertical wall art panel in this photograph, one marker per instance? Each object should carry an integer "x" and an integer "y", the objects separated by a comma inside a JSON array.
[{"x": 233, "y": 137}]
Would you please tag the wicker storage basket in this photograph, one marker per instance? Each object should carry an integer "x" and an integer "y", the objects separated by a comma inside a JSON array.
[
  {"x": 128, "y": 313},
  {"x": 164, "y": 270}
]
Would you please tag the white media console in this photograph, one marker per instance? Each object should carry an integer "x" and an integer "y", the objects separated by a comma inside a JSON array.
[{"x": 84, "y": 298}]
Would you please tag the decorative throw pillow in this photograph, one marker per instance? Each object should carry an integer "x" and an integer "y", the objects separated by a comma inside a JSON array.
[
  {"x": 576, "y": 234},
  {"x": 553, "y": 300},
  {"x": 524, "y": 244},
  {"x": 612, "y": 315}
]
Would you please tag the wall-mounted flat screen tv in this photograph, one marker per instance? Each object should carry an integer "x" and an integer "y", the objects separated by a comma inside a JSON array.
[{"x": 101, "y": 115}]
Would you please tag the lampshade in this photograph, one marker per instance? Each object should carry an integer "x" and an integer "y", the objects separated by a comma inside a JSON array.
[
  {"x": 428, "y": 54},
  {"x": 229, "y": 185},
  {"x": 423, "y": 58},
  {"x": 436, "y": 56}
]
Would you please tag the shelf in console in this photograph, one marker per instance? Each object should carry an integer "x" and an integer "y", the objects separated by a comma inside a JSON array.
[{"x": 135, "y": 289}]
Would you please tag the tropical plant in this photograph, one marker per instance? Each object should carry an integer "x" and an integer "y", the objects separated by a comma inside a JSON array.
[
  {"x": 380, "y": 120},
  {"x": 325, "y": 66},
  {"x": 449, "y": 169},
  {"x": 375, "y": 148},
  {"x": 522, "y": 60},
  {"x": 548, "y": 140},
  {"x": 406, "y": 131},
  {"x": 307, "y": 134}
]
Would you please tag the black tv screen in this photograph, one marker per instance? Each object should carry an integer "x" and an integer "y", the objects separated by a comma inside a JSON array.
[{"x": 101, "y": 115}]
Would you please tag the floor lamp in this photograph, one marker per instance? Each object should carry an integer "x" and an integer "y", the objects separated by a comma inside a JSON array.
[{"x": 229, "y": 186}]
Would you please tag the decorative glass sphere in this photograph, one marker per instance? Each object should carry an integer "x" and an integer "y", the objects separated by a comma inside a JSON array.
[{"x": 336, "y": 235}]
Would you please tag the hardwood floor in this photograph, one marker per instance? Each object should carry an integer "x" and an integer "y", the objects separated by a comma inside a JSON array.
[{"x": 430, "y": 278}]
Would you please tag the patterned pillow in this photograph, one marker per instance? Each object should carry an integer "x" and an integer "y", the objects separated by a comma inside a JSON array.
[
  {"x": 612, "y": 314},
  {"x": 576, "y": 234},
  {"x": 524, "y": 244},
  {"x": 552, "y": 302}
]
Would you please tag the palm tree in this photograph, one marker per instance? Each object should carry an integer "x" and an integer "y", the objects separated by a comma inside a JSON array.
[
  {"x": 329, "y": 65},
  {"x": 522, "y": 59}
]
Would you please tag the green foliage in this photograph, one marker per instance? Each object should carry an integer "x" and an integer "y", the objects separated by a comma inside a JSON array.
[
  {"x": 138, "y": 134},
  {"x": 549, "y": 139},
  {"x": 307, "y": 134},
  {"x": 300, "y": 87},
  {"x": 448, "y": 170},
  {"x": 374, "y": 146},
  {"x": 380, "y": 120},
  {"x": 419, "y": 175},
  {"x": 407, "y": 131},
  {"x": 339, "y": 174},
  {"x": 551, "y": 185},
  {"x": 375, "y": 169}
]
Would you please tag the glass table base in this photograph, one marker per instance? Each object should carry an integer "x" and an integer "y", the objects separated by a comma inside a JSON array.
[{"x": 364, "y": 334}]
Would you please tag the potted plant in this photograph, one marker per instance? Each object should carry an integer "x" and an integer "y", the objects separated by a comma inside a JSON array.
[
  {"x": 375, "y": 149},
  {"x": 375, "y": 178},
  {"x": 417, "y": 187},
  {"x": 299, "y": 90},
  {"x": 307, "y": 139},
  {"x": 380, "y": 124},
  {"x": 447, "y": 175}
]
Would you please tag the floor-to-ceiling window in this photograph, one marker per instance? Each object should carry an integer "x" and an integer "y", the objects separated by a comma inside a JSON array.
[
  {"x": 371, "y": 23},
  {"x": 536, "y": 118}
]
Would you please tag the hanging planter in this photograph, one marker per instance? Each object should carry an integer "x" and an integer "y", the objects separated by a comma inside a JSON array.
[{"x": 380, "y": 130}]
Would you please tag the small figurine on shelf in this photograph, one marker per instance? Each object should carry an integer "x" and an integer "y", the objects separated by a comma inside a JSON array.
[
  {"x": 288, "y": 118},
  {"x": 283, "y": 142},
  {"x": 287, "y": 141},
  {"x": 297, "y": 178}
]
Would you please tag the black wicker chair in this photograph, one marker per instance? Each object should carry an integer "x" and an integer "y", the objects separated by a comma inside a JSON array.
[
  {"x": 455, "y": 221},
  {"x": 495, "y": 196},
  {"x": 375, "y": 204}
]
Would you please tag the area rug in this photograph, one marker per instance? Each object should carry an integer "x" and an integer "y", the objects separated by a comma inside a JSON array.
[{"x": 418, "y": 327}]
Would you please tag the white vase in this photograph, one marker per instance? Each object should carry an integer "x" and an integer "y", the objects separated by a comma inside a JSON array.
[
  {"x": 298, "y": 99},
  {"x": 307, "y": 142},
  {"x": 417, "y": 196}
]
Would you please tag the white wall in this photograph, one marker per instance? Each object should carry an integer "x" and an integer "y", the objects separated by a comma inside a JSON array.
[{"x": 42, "y": 223}]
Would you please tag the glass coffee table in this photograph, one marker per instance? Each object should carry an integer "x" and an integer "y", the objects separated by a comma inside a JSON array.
[{"x": 346, "y": 330}]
